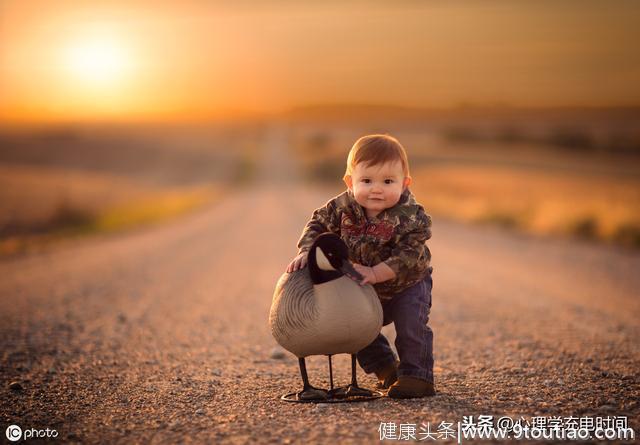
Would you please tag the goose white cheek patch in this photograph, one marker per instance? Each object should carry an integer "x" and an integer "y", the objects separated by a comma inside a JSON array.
[{"x": 322, "y": 261}]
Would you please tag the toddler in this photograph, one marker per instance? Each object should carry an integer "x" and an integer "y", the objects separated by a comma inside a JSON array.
[{"x": 385, "y": 229}]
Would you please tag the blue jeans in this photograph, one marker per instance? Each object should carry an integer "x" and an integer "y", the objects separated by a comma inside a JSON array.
[{"x": 409, "y": 311}]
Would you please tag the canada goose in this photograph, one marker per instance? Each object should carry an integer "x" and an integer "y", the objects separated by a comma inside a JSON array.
[{"x": 319, "y": 311}]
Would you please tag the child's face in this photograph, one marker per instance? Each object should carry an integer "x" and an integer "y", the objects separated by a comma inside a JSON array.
[{"x": 377, "y": 187}]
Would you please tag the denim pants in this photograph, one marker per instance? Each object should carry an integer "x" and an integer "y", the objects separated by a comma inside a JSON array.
[{"x": 409, "y": 311}]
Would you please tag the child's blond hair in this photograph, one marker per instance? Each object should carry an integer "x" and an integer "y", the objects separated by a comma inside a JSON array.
[{"x": 375, "y": 149}]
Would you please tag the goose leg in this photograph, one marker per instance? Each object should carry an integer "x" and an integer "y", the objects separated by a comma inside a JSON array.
[
  {"x": 309, "y": 392},
  {"x": 353, "y": 389},
  {"x": 336, "y": 393},
  {"x": 330, "y": 374}
]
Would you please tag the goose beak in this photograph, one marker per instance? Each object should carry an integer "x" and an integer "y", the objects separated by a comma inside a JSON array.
[{"x": 349, "y": 271}]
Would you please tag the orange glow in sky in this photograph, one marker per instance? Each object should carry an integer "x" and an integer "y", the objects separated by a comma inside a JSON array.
[
  {"x": 102, "y": 61},
  {"x": 69, "y": 60}
]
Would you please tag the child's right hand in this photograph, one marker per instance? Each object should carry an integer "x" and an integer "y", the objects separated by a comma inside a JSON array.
[{"x": 298, "y": 262}]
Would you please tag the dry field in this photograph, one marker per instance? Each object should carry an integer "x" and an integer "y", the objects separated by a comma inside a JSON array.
[{"x": 540, "y": 202}]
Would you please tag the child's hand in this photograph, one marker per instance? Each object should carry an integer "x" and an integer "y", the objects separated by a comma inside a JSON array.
[
  {"x": 367, "y": 272},
  {"x": 298, "y": 262}
]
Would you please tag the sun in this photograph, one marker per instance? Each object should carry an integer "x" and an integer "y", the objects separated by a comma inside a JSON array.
[{"x": 97, "y": 61}]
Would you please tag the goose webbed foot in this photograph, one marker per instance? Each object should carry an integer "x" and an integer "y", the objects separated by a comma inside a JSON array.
[
  {"x": 355, "y": 391},
  {"x": 352, "y": 390},
  {"x": 338, "y": 393},
  {"x": 344, "y": 392},
  {"x": 312, "y": 393}
]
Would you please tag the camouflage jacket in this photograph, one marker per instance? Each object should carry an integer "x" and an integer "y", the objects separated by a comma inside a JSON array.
[{"x": 396, "y": 236}]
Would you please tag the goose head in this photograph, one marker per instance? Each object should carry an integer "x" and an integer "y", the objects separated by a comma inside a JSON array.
[{"x": 329, "y": 259}]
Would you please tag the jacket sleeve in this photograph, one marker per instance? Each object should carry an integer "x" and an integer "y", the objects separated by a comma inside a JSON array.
[
  {"x": 324, "y": 219},
  {"x": 411, "y": 253}
]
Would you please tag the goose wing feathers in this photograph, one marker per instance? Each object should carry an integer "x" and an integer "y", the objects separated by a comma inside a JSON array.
[{"x": 293, "y": 307}]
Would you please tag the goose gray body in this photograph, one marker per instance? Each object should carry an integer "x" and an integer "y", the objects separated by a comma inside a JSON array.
[{"x": 335, "y": 317}]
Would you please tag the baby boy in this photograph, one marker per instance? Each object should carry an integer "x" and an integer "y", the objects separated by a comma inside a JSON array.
[{"x": 385, "y": 229}]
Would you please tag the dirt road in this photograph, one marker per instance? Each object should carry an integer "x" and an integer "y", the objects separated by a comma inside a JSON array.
[{"x": 161, "y": 336}]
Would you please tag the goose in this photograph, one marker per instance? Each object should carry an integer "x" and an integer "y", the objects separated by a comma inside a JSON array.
[{"x": 319, "y": 310}]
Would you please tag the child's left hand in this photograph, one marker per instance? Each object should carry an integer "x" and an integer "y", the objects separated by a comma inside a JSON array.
[{"x": 367, "y": 272}]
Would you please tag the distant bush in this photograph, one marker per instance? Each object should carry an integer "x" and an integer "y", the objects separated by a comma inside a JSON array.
[
  {"x": 628, "y": 234},
  {"x": 502, "y": 219},
  {"x": 586, "y": 227},
  {"x": 327, "y": 170},
  {"x": 511, "y": 134},
  {"x": 507, "y": 134},
  {"x": 67, "y": 216},
  {"x": 571, "y": 138},
  {"x": 574, "y": 138},
  {"x": 64, "y": 218},
  {"x": 463, "y": 134},
  {"x": 245, "y": 170},
  {"x": 622, "y": 143},
  {"x": 319, "y": 141}
]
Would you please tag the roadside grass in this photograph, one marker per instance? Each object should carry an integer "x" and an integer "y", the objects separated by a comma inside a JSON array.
[
  {"x": 41, "y": 205},
  {"x": 152, "y": 210},
  {"x": 69, "y": 221}
]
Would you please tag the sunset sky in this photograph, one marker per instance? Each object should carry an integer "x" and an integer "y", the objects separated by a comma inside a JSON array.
[{"x": 83, "y": 60}]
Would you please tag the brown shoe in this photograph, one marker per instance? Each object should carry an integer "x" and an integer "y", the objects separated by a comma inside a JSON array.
[
  {"x": 387, "y": 376},
  {"x": 411, "y": 387}
]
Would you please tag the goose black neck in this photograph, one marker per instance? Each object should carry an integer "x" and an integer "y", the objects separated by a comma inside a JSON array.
[{"x": 319, "y": 276}]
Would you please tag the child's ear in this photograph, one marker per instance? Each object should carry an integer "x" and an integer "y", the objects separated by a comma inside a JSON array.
[
  {"x": 348, "y": 180},
  {"x": 407, "y": 182}
]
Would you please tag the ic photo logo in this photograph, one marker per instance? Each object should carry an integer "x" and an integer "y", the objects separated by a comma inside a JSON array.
[{"x": 14, "y": 433}]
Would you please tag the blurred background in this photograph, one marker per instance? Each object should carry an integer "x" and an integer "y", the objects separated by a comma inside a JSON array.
[{"x": 120, "y": 114}]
